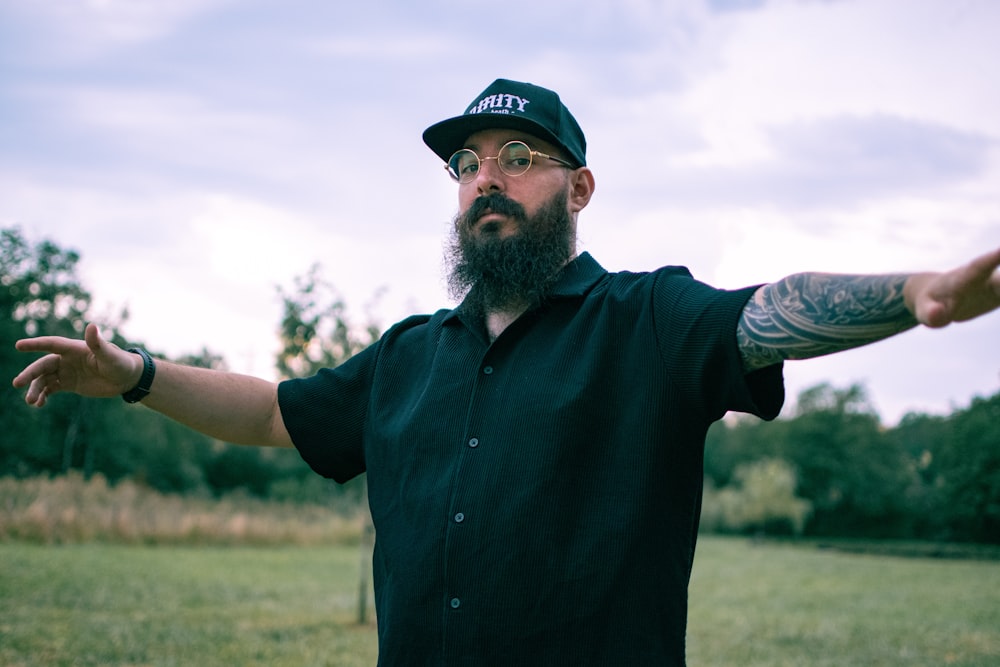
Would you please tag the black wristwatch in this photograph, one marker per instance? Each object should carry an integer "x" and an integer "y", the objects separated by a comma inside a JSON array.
[{"x": 141, "y": 390}]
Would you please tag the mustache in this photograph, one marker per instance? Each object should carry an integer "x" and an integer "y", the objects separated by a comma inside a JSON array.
[{"x": 497, "y": 203}]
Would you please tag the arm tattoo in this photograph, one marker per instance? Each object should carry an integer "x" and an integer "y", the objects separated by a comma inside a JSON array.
[{"x": 811, "y": 314}]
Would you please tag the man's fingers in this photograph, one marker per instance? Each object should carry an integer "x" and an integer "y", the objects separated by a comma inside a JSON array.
[
  {"x": 41, "y": 378},
  {"x": 54, "y": 344},
  {"x": 33, "y": 371},
  {"x": 991, "y": 268},
  {"x": 92, "y": 336},
  {"x": 36, "y": 393},
  {"x": 985, "y": 265},
  {"x": 40, "y": 387}
]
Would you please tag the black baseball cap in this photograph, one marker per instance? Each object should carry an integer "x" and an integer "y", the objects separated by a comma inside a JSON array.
[{"x": 507, "y": 104}]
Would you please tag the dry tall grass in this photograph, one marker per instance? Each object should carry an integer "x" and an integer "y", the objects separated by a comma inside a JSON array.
[{"x": 71, "y": 509}]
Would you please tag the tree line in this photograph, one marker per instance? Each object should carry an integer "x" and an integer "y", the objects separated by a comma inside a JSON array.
[
  {"x": 929, "y": 477},
  {"x": 831, "y": 469}
]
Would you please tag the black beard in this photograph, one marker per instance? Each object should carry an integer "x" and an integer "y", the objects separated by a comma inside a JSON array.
[{"x": 494, "y": 274}]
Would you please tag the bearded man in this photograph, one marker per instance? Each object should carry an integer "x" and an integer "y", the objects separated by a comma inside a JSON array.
[{"x": 534, "y": 456}]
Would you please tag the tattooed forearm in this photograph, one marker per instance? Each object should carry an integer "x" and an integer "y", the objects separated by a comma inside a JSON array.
[{"x": 811, "y": 314}]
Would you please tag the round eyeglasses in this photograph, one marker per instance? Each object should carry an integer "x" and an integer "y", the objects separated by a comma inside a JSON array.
[{"x": 513, "y": 159}]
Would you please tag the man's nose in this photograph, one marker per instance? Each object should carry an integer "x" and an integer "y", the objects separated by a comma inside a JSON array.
[{"x": 489, "y": 178}]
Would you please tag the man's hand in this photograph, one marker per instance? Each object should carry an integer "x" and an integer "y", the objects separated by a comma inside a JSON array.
[
  {"x": 938, "y": 299},
  {"x": 89, "y": 367}
]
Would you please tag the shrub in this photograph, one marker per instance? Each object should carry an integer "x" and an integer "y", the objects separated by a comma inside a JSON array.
[{"x": 761, "y": 499}]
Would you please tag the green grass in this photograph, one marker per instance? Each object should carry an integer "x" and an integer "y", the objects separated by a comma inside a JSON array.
[
  {"x": 751, "y": 605},
  {"x": 130, "y": 605},
  {"x": 774, "y": 605}
]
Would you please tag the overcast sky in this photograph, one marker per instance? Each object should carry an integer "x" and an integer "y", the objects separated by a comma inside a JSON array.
[{"x": 198, "y": 153}]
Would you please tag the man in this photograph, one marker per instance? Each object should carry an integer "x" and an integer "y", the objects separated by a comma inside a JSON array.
[{"x": 534, "y": 456}]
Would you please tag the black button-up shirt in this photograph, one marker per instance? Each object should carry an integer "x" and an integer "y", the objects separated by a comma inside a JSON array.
[{"x": 536, "y": 499}]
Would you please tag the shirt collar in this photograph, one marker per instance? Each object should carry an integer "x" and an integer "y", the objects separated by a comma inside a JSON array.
[{"x": 575, "y": 279}]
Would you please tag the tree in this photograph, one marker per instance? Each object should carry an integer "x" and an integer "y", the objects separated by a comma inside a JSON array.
[
  {"x": 855, "y": 477},
  {"x": 315, "y": 332},
  {"x": 966, "y": 469},
  {"x": 40, "y": 294},
  {"x": 922, "y": 438}
]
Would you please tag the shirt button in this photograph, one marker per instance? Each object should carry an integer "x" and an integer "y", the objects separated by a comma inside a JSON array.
[
  {"x": 488, "y": 370},
  {"x": 474, "y": 442},
  {"x": 455, "y": 603},
  {"x": 459, "y": 518}
]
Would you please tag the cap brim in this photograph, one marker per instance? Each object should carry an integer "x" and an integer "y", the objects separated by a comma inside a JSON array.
[{"x": 448, "y": 136}]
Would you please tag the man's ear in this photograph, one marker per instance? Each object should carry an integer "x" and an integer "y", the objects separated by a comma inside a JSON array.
[{"x": 581, "y": 188}]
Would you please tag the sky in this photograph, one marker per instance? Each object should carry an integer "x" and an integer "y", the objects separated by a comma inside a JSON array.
[{"x": 200, "y": 153}]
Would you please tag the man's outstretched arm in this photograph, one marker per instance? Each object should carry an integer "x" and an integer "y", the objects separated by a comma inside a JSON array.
[
  {"x": 812, "y": 314},
  {"x": 232, "y": 407}
]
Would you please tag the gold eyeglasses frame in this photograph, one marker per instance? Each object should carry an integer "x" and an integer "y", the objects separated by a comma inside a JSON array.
[{"x": 468, "y": 177}]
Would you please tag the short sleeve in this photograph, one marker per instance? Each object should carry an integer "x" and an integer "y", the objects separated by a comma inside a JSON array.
[{"x": 325, "y": 415}]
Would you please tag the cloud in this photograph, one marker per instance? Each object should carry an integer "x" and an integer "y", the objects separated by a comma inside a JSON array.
[
  {"x": 873, "y": 157},
  {"x": 391, "y": 50},
  {"x": 835, "y": 163},
  {"x": 735, "y": 5},
  {"x": 73, "y": 29}
]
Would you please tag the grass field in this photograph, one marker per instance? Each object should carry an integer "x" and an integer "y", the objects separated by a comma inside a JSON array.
[
  {"x": 751, "y": 605},
  {"x": 779, "y": 605}
]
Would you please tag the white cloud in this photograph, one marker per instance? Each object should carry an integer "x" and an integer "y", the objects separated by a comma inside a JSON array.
[
  {"x": 391, "y": 49},
  {"x": 922, "y": 59},
  {"x": 73, "y": 29}
]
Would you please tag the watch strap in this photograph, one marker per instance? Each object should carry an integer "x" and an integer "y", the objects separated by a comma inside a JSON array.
[{"x": 141, "y": 390}]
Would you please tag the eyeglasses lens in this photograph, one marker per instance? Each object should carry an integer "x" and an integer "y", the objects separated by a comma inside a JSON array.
[
  {"x": 514, "y": 159},
  {"x": 463, "y": 165}
]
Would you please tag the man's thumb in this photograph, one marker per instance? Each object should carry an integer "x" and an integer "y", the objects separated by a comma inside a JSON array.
[{"x": 92, "y": 335}]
